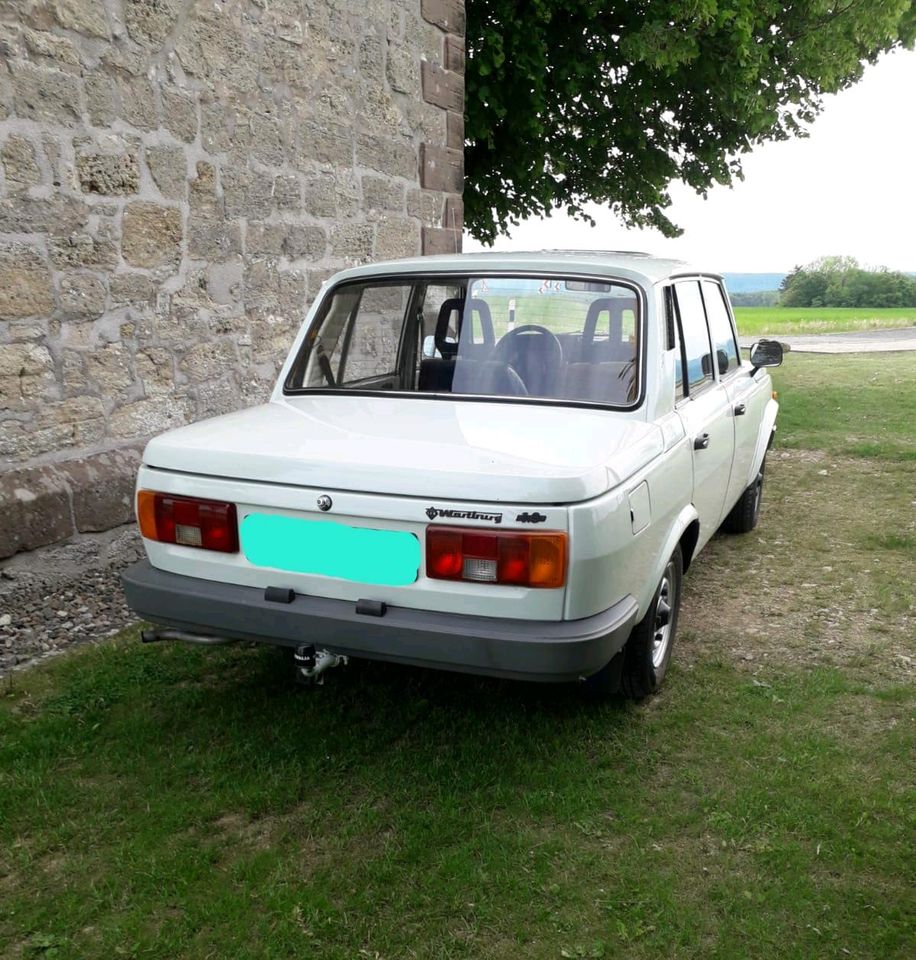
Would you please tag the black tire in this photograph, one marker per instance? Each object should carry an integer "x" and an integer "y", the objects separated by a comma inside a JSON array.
[
  {"x": 648, "y": 651},
  {"x": 746, "y": 512}
]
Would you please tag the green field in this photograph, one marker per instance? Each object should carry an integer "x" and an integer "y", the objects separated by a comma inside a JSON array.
[
  {"x": 168, "y": 802},
  {"x": 786, "y": 320}
]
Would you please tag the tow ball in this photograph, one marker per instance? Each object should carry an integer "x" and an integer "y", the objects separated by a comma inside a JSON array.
[{"x": 312, "y": 663}]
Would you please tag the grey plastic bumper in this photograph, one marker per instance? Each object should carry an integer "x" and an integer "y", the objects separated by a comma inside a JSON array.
[{"x": 520, "y": 649}]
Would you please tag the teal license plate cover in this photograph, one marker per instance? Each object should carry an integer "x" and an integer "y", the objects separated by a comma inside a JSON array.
[{"x": 383, "y": 557}]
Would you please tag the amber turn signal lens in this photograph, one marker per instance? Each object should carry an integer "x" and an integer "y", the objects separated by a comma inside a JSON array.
[
  {"x": 508, "y": 557},
  {"x": 188, "y": 521}
]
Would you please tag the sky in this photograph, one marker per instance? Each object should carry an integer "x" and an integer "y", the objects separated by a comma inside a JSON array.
[{"x": 849, "y": 188}]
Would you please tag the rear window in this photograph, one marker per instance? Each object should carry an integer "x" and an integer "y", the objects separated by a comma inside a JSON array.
[{"x": 515, "y": 337}]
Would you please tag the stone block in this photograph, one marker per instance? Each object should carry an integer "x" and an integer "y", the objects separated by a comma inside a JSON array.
[
  {"x": 156, "y": 368},
  {"x": 380, "y": 193},
  {"x": 442, "y": 87},
  {"x": 25, "y": 284},
  {"x": 441, "y": 168},
  {"x": 138, "y": 103},
  {"x": 108, "y": 369},
  {"x": 20, "y": 164},
  {"x": 150, "y": 234},
  {"x": 353, "y": 241},
  {"x": 213, "y": 239},
  {"x": 56, "y": 215},
  {"x": 404, "y": 71},
  {"x": 34, "y": 510},
  {"x": 143, "y": 418},
  {"x": 179, "y": 113},
  {"x": 453, "y": 56},
  {"x": 394, "y": 158},
  {"x": 149, "y": 22},
  {"x": 265, "y": 239},
  {"x": 246, "y": 193},
  {"x": 131, "y": 288},
  {"x": 169, "y": 169},
  {"x": 42, "y": 94},
  {"x": 307, "y": 241},
  {"x": 59, "y": 50},
  {"x": 455, "y": 130},
  {"x": 438, "y": 240},
  {"x": 102, "y": 488},
  {"x": 82, "y": 296},
  {"x": 397, "y": 237},
  {"x": 102, "y": 100},
  {"x": 209, "y": 361},
  {"x": 448, "y": 15},
  {"x": 87, "y": 18},
  {"x": 82, "y": 250},
  {"x": 287, "y": 193},
  {"x": 108, "y": 174}
]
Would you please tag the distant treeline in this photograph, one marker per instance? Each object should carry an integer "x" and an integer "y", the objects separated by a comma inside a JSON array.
[{"x": 842, "y": 282}]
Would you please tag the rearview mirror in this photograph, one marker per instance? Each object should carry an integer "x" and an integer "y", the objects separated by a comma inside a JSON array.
[{"x": 766, "y": 353}]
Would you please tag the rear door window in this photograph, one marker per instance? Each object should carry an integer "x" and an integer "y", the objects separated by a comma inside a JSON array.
[
  {"x": 720, "y": 328},
  {"x": 694, "y": 335}
]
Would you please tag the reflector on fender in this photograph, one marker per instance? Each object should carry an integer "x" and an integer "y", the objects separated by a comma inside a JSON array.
[
  {"x": 513, "y": 557},
  {"x": 188, "y": 521}
]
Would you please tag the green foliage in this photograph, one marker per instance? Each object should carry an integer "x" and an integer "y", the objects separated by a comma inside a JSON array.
[
  {"x": 578, "y": 101},
  {"x": 841, "y": 282}
]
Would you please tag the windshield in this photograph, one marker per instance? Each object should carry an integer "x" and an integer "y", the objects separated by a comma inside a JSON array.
[{"x": 517, "y": 337}]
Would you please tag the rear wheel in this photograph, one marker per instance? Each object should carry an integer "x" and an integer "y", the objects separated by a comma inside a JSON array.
[
  {"x": 746, "y": 512},
  {"x": 648, "y": 651},
  {"x": 639, "y": 669}
]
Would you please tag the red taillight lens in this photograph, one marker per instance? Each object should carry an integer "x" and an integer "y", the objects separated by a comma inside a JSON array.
[
  {"x": 208, "y": 524},
  {"x": 496, "y": 556}
]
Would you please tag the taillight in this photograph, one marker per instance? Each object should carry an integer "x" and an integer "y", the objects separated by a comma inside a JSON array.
[
  {"x": 189, "y": 521},
  {"x": 511, "y": 557}
]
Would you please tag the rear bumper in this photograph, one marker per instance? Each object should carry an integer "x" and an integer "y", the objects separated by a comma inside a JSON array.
[{"x": 519, "y": 649}]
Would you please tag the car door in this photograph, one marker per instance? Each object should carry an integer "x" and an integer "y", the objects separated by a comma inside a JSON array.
[
  {"x": 704, "y": 408},
  {"x": 747, "y": 397}
]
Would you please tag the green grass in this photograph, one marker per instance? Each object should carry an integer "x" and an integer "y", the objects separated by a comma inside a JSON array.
[
  {"x": 861, "y": 405},
  {"x": 167, "y": 802},
  {"x": 787, "y": 320}
]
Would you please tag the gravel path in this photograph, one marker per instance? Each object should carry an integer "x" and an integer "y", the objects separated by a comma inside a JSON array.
[
  {"x": 858, "y": 341},
  {"x": 73, "y": 596}
]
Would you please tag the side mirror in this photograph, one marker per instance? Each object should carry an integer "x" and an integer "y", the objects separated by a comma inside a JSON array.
[
  {"x": 766, "y": 353},
  {"x": 429, "y": 347}
]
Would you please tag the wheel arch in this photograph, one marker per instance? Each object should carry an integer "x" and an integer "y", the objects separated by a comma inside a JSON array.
[{"x": 764, "y": 439}]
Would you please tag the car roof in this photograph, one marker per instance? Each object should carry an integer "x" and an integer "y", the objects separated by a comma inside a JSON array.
[{"x": 642, "y": 268}]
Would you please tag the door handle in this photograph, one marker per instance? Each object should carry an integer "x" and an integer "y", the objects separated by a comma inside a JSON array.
[
  {"x": 740, "y": 409},
  {"x": 701, "y": 442}
]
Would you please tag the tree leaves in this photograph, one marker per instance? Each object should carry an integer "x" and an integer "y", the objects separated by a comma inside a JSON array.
[{"x": 584, "y": 101}]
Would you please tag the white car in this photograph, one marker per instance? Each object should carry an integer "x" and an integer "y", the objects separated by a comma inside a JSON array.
[{"x": 498, "y": 464}]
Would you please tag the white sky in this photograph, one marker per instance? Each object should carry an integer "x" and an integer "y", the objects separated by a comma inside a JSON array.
[{"x": 849, "y": 188}]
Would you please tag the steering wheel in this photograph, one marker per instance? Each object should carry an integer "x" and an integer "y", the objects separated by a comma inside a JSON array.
[{"x": 534, "y": 353}]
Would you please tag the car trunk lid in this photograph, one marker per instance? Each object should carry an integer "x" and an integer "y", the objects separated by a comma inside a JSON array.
[{"x": 488, "y": 452}]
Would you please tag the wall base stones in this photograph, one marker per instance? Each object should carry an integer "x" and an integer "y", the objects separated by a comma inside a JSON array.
[{"x": 177, "y": 179}]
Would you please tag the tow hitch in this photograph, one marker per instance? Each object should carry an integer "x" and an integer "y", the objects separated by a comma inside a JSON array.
[{"x": 312, "y": 663}]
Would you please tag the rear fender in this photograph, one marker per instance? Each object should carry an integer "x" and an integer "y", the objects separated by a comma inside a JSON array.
[
  {"x": 687, "y": 516},
  {"x": 764, "y": 435}
]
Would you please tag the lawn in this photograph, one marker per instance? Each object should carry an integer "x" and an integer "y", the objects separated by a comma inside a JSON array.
[
  {"x": 786, "y": 320},
  {"x": 176, "y": 803}
]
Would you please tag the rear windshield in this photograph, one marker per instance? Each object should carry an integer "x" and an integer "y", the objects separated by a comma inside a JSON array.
[{"x": 515, "y": 337}]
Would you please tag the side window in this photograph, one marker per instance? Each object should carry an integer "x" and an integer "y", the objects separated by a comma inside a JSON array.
[
  {"x": 694, "y": 334},
  {"x": 673, "y": 342},
  {"x": 359, "y": 337},
  {"x": 720, "y": 328}
]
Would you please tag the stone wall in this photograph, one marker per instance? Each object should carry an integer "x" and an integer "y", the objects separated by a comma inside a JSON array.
[{"x": 178, "y": 177}]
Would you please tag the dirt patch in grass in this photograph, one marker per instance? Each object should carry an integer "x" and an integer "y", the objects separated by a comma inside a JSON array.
[{"x": 820, "y": 581}]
